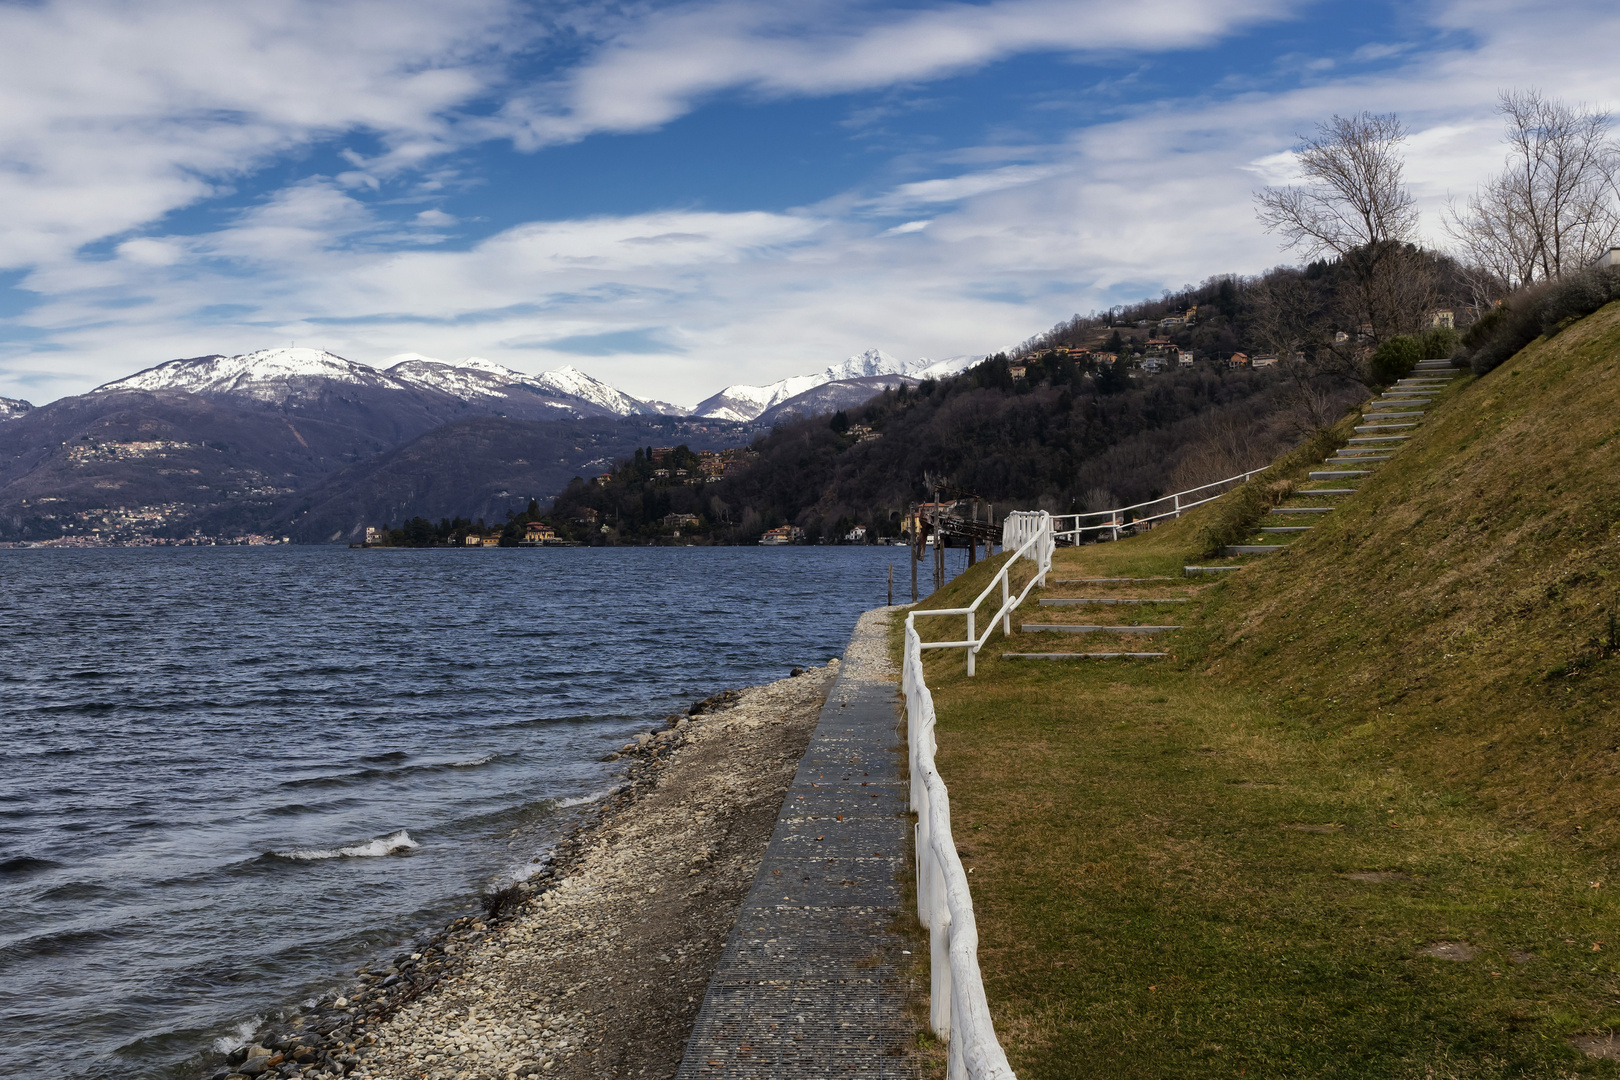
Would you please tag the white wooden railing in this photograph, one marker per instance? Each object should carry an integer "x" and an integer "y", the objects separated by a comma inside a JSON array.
[
  {"x": 1115, "y": 520},
  {"x": 1027, "y": 534},
  {"x": 958, "y": 1011}
]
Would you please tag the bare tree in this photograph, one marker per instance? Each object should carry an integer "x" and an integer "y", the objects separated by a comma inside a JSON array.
[
  {"x": 1552, "y": 209},
  {"x": 1354, "y": 205},
  {"x": 1353, "y": 197}
]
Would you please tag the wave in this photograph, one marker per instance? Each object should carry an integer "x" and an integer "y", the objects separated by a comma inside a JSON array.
[
  {"x": 237, "y": 1036},
  {"x": 360, "y": 776},
  {"x": 594, "y": 796},
  {"x": 387, "y": 845},
  {"x": 25, "y": 864}
]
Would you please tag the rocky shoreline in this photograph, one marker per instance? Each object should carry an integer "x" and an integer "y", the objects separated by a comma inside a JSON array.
[{"x": 596, "y": 965}]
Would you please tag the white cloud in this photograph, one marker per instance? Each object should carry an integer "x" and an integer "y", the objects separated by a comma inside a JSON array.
[
  {"x": 113, "y": 114},
  {"x": 662, "y": 66}
]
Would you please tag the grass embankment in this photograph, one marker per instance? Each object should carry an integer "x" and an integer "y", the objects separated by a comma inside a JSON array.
[{"x": 1391, "y": 746}]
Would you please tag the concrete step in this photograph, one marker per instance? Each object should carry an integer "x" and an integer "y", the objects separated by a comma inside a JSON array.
[
  {"x": 1326, "y": 491},
  {"x": 1390, "y": 414},
  {"x": 1251, "y": 549},
  {"x": 1083, "y": 655},
  {"x": 1338, "y": 474},
  {"x": 1377, "y": 438},
  {"x": 1357, "y": 457},
  {"x": 1382, "y": 427},
  {"x": 1075, "y": 628},
  {"x": 1106, "y": 580},
  {"x": 1067, "y": 601},
  {"x": 1303, "y": 509},
  {"x": 1286, "y": 528},
  {"x": 1208, "y": 569}
]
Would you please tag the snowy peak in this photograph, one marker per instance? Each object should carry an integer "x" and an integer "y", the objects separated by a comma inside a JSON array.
[
  {"x": 467, "y": 381},
  {"x": 870, "y": 362},
  {"x": 267, "y": 375},
  {"x": 743, "y": 403},
  {"x": 572, "y": 382},
  {"x": 12, "y": 408}
]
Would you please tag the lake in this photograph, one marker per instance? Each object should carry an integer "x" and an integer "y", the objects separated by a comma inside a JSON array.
[{"x": 232, "y": 775}]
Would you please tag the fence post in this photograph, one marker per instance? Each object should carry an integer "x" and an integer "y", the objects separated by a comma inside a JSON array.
[
  {"x": 973, "y": 649},
  {"x": 1178, "y": 504},
  {"x": 1006, "y": 618}
]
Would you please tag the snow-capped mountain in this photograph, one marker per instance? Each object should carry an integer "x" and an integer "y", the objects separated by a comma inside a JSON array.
[
  {"x": 274, "y": 375},
  {"x": 742, "y": 402},
  {"x": 12, "y": 408},
  {"x": 281, "y": 376},
  {"x": 572, "y": 382}
]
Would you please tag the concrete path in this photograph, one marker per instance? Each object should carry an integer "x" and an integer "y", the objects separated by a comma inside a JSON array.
[{"x": 810, "y": 983}]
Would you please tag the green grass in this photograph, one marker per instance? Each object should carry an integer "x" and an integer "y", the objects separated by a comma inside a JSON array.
[{"x": 1429, "y": 674}]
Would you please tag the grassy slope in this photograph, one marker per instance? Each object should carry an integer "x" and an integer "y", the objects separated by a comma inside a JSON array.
[
  {"x": 1447, "y": 612},
  {"x": 1148, "y": 904}
]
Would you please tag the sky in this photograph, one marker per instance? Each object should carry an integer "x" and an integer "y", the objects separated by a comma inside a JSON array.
[{"x": 678, "y": 196}]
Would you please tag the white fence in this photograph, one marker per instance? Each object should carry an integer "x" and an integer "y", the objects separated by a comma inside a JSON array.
[
  {"x": 958, "y": 1011},
  {"x": 1028, "y": 535},
  {"x": 1174, "y": 506}
]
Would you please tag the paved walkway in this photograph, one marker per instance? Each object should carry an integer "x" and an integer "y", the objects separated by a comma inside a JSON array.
[{"x": 809, "y": 984}]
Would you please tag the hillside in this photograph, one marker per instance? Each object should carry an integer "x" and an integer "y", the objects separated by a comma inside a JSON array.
[
  {"x": 1467, "y": 596},
  {"x": 1059, "y": 436},
  {"x": 1361, "y": 820},
  {"x": 477, "y": 468}
]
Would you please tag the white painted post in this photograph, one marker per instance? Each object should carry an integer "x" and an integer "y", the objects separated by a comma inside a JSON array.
[
  {"x": 973, "y": 649},
  {"x": 1178, "y": 504},
  {"x": 1006, "y": 617}
]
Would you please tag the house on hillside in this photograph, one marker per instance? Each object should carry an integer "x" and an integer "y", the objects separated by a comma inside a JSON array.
[
  {"x": 1016, "y": 370},
  {"x": 474, "y": 540},
  {"x": 376, "y": 536},
  {"x": 1185, "y": 359},
  {"x": 786, "y": 534},
  {"x": 675, "y": 521},
  {"x": 1444, "y": 318},
  {"x": 1153, "y": 364},
  {"x": 857, "y": 535},
  {"x": 538, "y": 532},
  {"x": 1237, "y": 360},
  {"x": 1266, "y": 360},
  {"x": 587, "y": 516},
  {"x": 604, "y": 479}
]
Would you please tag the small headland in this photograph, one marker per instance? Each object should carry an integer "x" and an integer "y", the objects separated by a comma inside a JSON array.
[
  {"x": 1361, "y": 818},
  {"x": 595, "y": 966}
]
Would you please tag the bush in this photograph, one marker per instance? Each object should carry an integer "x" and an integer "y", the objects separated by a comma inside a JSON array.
[
  {"x": 1439, "y": 343},
  {"x": 1395, "y": 358},
  {"x": 1544, "y": 308}
]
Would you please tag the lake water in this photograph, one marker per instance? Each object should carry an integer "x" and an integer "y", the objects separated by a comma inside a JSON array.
[{"x": 230, "y": 776}]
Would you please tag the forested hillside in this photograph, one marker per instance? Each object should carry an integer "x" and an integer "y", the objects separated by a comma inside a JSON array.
[{"x": 1066, "y": 435}]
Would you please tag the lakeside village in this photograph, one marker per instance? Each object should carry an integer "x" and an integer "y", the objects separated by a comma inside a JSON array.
[{"x": 647, "y": 480}]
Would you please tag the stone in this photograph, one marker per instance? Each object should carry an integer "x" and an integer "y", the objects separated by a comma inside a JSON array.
[{"x": 1449, "y": 950}]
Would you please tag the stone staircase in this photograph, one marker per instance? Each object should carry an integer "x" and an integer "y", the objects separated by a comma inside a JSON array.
[{"x": 1134, "y": 615}]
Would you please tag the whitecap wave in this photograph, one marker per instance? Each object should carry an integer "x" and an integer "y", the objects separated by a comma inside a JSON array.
[
  {"x": 387, "y": 845},
  {"x": 237, "y": 1036},
  {"x": 594, "y": 796},
  {"x": 485, "y": 760}
]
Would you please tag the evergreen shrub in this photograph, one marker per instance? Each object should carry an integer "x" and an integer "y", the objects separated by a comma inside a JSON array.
[{"x": 1395, "y": 358}]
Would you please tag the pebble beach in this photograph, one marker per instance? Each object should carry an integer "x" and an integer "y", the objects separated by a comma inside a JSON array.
[{"x": 596, "y": 965}]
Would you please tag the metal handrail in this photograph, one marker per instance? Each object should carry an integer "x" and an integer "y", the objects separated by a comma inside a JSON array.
[
  {"x": 1032, "y": 531},
  {"x": 958, "y": 1011},
  {"x": 1116, "y": 517}
]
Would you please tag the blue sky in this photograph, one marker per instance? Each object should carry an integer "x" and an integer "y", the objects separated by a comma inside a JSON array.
[{"x": 677, "y": 196}]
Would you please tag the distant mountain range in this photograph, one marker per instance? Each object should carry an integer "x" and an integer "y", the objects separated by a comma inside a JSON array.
[
  {"x": 304, "y": 443},
  {"x": 286, "y": 375}
]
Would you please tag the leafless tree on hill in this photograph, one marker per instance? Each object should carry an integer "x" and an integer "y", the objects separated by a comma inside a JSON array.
[
  {"x": 1553, "y": 208},
  {"x": 1353, "y": 205}
]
